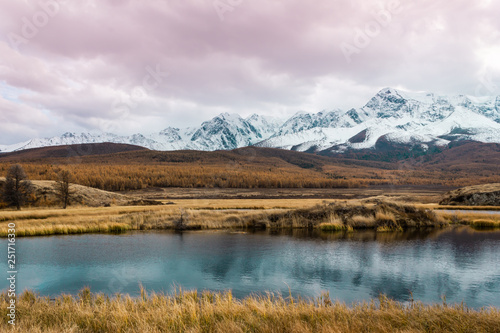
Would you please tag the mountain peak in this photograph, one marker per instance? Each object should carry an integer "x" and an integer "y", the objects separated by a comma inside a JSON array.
[
  {"x": 386, "y": 103},
  {"x": 254, "y": 116},
  {"x": 388, "y": 91},
  {"x": 401, "y": 116},
  {"x": 229, "y": 116},
  {"x": 169, "y": 130},
  {"x": 68, "y": 135}
]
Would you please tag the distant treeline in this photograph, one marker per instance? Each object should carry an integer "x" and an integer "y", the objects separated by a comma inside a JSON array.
[
  {"x": 119, "y": 177},
  {"x": 133, "y": 177}
]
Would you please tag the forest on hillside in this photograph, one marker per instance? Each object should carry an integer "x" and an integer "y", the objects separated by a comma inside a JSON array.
[
  {"x": 252, "y": 167},
  {"x": 120, "y": 177}
]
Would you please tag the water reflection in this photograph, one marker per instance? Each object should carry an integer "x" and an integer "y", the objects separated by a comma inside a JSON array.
[{"x": 460, "y": 263}]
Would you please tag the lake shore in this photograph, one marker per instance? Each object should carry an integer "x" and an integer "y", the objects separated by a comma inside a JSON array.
[
  {"x": 223, "y": 214},
  {"x": 193, "y": 311},
  {"x": 205, "y": 214}
]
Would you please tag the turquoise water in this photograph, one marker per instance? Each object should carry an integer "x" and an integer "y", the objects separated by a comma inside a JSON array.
[{"x": 459, "y": 263}]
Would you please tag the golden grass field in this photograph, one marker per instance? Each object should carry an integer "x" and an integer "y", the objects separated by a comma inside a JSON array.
[
  {"x": 192, "y": 311},
  {"x": 202, "y": 214},
  {"x": 474, "y": 219},
  {"x": 197, "y": 214},
  {"x": 74, "y": 220}
]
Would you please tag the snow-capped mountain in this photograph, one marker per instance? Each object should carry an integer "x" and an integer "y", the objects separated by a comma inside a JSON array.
[
  {"x": 400, "y": 117},
  {"x": 65, "y": 139},
  {"x": 225, "y": 131},
  {"x": 392, "y": 115}
]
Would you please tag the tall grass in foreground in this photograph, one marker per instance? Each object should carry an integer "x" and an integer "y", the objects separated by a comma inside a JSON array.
[{"x": 192, "y": 311}]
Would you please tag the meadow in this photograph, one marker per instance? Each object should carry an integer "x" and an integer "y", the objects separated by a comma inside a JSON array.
[{"x": 222, "y": 214}]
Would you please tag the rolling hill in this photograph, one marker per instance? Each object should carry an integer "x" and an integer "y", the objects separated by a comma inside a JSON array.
[
  {"x": 68, "y": 151},
  {"x": 120, "y": 167}
]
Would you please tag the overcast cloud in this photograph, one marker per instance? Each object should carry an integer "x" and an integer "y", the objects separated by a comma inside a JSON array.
[{"x": 129, "y": 66}]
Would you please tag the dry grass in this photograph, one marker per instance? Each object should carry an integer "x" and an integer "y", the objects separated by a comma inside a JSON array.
[
  {"x": 475, "y": 220},
  {"x": 486, "y": 224},
  {"x": 385, "y": 216},
  {"x": 198, "y": 214},
  {"x": 219, "y": 214},
  {"x": 459, "y": 207},
  {"x": 334, "y": 227},
  {"x": 362, "y": 222},
  {"x": 65, "y": 229},
  {"x": 94, "y": 220},
  {"x": 384, "y": 228},
  {"x": 334, "y": 223},
  {"x": 391, "y": 216},
  {"x": 249, "y": 203},
  {"x": 192, "y": 311}
]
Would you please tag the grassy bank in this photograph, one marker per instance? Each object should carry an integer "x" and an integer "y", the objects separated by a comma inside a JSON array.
[
  {"x": 471, "y": 208},
  {"x": 193, "y": 311},
  {"x": 473, "y": 219},
  {"x": 382, "y": 216}
]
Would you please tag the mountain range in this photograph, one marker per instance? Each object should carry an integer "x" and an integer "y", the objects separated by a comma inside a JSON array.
[{"x": 391, "y": 117}]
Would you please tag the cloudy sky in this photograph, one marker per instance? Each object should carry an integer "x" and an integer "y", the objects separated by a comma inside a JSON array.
[{"x": 128, "y": 66}]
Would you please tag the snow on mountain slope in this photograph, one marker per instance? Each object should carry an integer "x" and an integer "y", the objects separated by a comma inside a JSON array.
[
  {"x": 401, "y": 117},
  {"x": 225, "y": 131},
  {"x": 302, "y": 121},
  {"x": 266, "y": 126},
  {"x": 65, "y": 139},
  {"x": 320, "y": 138},
  {"x": 14, "y": 147},
  {"x": 396, "y": 115}
]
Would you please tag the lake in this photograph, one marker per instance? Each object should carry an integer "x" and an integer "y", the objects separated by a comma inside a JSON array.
[{"x": 457, "y": 262}]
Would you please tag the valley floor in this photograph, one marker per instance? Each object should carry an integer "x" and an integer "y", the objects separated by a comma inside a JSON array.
[{"x": 409, "y": 193}]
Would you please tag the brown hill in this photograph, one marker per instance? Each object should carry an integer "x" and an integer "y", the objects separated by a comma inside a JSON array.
[
  {"x": 45, "y": 195},
  {"x": 249, "y": 167},
  {"x": 467, "y": 155},
  {"x": 468, "y": 163},
  {"x": 69, "y": 151}
]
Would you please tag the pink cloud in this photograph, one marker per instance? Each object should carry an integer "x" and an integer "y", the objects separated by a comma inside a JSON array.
[{"x": 263, "y": 57}]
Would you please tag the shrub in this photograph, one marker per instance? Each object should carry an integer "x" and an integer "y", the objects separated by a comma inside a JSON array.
[
  {"x": 486, "y": 224},
  {"x": 332, "y": 227},
  {"x": 362, "y": 221}
]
